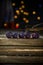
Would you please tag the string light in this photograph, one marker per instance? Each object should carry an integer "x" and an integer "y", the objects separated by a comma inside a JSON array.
[
  {"x": 20, "y": 8},
  {"x": 27, "y": 21},
  {"x": 13, "y": 4},
  {"x": 26, "y": 13},
  {"x": 34, "y": 12},
  {"x": 22, "y": 11},
  {"x": 5, "y": 25},
  {"x": 23, "y": 6},
  {"x": 24, "y": 19},
  {"x": 15, "y": 16},
  {"x": 17, "y": 25},
  {"x": 38, "y": 18},
  {"x": 22, "y": 2},
  {"x": 17, "y": 11}
]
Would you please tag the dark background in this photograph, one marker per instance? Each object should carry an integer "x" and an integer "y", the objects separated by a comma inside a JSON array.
[{"x": 30, "y": 6}]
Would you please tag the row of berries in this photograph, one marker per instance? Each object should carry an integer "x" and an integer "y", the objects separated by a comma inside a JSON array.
[{"x": 24, "y": 35}]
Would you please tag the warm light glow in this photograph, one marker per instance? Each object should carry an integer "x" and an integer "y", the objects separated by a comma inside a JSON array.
[
  {"x": 20, "y": 8},
  {"x": 5, "y": 24},
  {"x": 26, "y": 13},
  {"x": 17, "y": 25},
  {"x": 38, "y": 18},
  {"x": 27, "y": 21},
  {"x": 22, "y": 2},
  {"x": 22, "y": 11},
  {"x": 34, "y": 12},
  {"x": 13, "y": 4},
  {"x": 24, "y": 19},
  {"x": 15, "y": 16},
  {"x": 17, "y": 11},
  {"x": 23, "y": 6}
]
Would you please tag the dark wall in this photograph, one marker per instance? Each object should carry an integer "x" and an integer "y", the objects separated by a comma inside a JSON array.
[{"x": 6, "y": 10}]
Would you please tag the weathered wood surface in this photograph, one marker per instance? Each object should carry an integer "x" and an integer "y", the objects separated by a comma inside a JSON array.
[
  {"x": 30, "y": 42},
  {"x": 21, "y": 50}
]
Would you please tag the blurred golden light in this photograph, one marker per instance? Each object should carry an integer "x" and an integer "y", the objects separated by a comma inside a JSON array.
[
  {"x": 23, "y": 6},
  {"x": 34, "y": 12},
  {"x": 13, "y": 4},
  {"x": 22, "y": 11},
  {"x": 20, "y": 8},
  {"x": 5, "y": 24},
  {"x": 22, "y": 2},
  {"x": 17, "y": 11},
  {"x": 27, "y": 21},
  {"x": 38, "y": 18},
  {"x": 26, "y": 13},
  {"x": 17, "y": 25},
  {"x": 15, "y": 16},
  {"x": 24, "y": 19}
]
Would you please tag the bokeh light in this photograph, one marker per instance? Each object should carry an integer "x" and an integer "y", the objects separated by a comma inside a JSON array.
[
  {"x": 23, "y": 6},
  {"x": 22, "y": 2},
  {"x": 15, "y": 17},
  {"x": 22, "y": 11},
  {"x": 24, "y": 19},
  {"x": 34, "y": 12},
  {"x": 17, "y": 25},
  {"x": 17, "y": 11},
  {"x": 5, "y": 25},
  {"x": 27, "y": 21},
  {"x": 38, "y": 18},
  {"x": 20, "y": 8},
  {"x": 13, "y": 4},
  {"x": 26, "y": 13}
]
